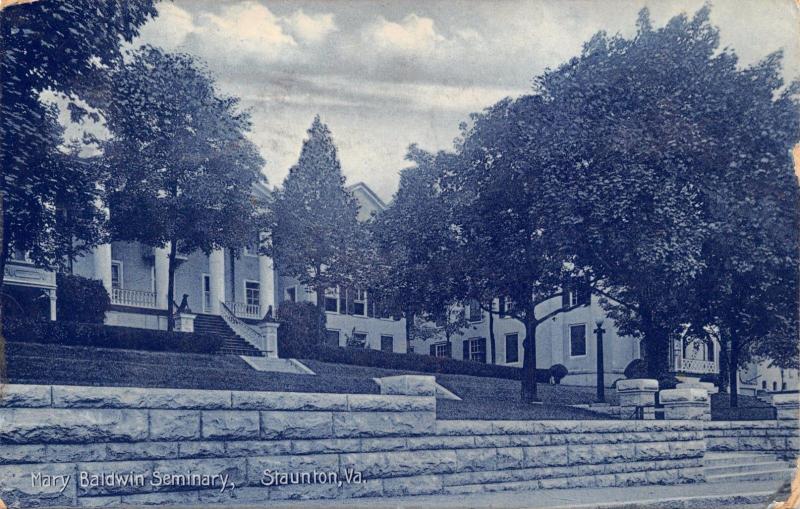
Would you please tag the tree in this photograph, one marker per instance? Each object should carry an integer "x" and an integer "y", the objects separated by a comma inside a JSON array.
[
  {"x": 180, "y": 169},
  {"x": 315, "y": 234},
  {"x": 516, "y": 232},
  {"x": 683, "y": 182}
]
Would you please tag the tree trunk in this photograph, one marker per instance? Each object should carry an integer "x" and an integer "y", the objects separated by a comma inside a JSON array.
[
  {"x": 492, "y": 344},
  {"x": 656, "y": 350},
  {"x": 409, "y": 315},
  {"x": 733, "y": 369},
  {"x": 724, "y": 361},
  {"x": 3, "y": 254},
  {"x": 529, "y": 389},
  {"x": 171, "y": 286}
]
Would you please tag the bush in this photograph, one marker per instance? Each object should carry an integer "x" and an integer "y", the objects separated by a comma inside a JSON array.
[
  {"x": 558, "y": 371},
  {"x": 416, "y": 362},
  {"x": 107, "y": 336},
  {"x": 302, "y": 328},
  {"x": 710, "y": 378},
  {"x": 637, "y": 368},
  {"x": 667, "y": 382},
  {"x": 81, "y": 299}
]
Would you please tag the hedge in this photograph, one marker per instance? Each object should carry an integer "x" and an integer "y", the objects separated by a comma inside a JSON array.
[
  {"x": 413, "y": 362},
  {"x": 107, "y": 336}
]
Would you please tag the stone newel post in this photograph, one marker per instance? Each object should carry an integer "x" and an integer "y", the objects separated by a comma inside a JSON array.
[
  {"x": 637, "y": 393},
  {"x": 268, "y": 330},
  {"x": 686, "y": 404}
]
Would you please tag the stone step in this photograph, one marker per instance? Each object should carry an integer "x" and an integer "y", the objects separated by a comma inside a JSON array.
[
  {"x": 781, "y": 474},
  {"x": 735, "y": 458},
  {"x": 746, "y": 467}
]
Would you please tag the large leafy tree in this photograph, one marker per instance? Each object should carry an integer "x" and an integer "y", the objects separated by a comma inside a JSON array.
[
  {"x": 509, "y": 194},
  {"x": 180, "y": 169},
  {"x": 315, "y": 233},
  {"x": 687, "y": 202}
]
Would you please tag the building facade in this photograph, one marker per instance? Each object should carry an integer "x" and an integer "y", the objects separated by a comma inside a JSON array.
[{"x": 246, "y": 286}]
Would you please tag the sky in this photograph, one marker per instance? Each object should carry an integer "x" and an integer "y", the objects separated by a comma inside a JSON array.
[{"x": 386, "y": 74}]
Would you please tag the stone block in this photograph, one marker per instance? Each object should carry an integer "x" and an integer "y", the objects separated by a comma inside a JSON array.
[
  {"x": 110, "y": 501},
  {"x": 180, "y": 498},
  {"x": 630, "y": 479},
  {"x": 201, "y": 449},
  {"x": 373, "y": 402},
  {"x": 375, "y": 424},
  {"x": 440, "y": 442},
  {"x": 365, "y": 488},
  {"x": 687, "y": 449},
  {"x": 42, "y": 425},
  {"x": 469, "y": 427},
  {"x": 13, "y": 454},
  {"x": 637, "y": 385},
  {"x": 417, "y": 485},
  {"x": 25, "y": 396},
  {"x": 384, "y": 444},
  {"x": 326, "y": 446},
  {"x": 247, "y": 400},
  {"x": 21, "y": 486},
  {"x": 258, "y": 447},
  {"x": 652, "y": 451},
  {"x": 235, "y": 469},
  {"x": 141, "y": 451},
  {"x": 470, "y": 460},
  {"x": 277, "y": 424},
  {"x": 580, "y": 454},
  {"x": 612, "y": 453},
  {"x": 400, "y": 463},
  {"x": 73, "y": 453},
  {"x": 67, "y": 396},
  {"x": 662, "y": 476},
  {"x": 230, "y": 424},
  {"x": 513, "y": 440},
  {"x": 510, "y": 457},
  {"x": 174, "y": 424},
  {"x": 409, "y": 385},
  {"x": 686, "y": 404},
  {"x": 545, "y": 456},
  {"x": 304, "y": 492}
]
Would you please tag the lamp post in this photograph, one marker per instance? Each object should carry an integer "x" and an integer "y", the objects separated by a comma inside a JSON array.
[{"x": 601, "y": 388}]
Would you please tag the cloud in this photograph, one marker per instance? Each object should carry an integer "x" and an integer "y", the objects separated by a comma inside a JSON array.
[
  {"x": 170, "y": 28},
  {"x": 414, "y": 34},
  {"x": 248, "y": 28},
  {"x": 313, "y": 28}
]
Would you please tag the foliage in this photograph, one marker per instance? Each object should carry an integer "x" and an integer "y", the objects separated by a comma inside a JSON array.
[
  {"x": 637, "y": 368},
  {"x": 106, "y": 336},
  {"x": 48, "y": 192},
  {"x": 180, "y": 168},
  {"x": 415, "y": 362},
  {"x": 667, "y": 382},
  {"x": 558, "y": 372},
  {"x": 315, "y": 234},
  {"x": 302, "y": 326},
  {"x": 80, "y": 299}
]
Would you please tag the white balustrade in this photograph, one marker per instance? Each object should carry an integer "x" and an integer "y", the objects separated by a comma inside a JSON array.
[
  {"x": 244, "y": 310},
  {"x": 697, "y": 366},
  {"x": 133, "y": 298},
  {"x": 242, "y": 329}
]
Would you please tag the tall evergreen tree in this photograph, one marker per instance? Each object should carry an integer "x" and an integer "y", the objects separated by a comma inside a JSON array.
[{"x": 315, "y": 234}]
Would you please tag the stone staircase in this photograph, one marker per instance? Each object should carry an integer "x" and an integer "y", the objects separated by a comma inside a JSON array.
[
  {"x": 725, "y": 467},
  {"x": 231, "y": 343}
]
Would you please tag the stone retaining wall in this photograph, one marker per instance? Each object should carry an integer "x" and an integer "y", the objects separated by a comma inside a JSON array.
[
  {"x": 776, "y": 437},
  {"x": 393, "y": 442}
]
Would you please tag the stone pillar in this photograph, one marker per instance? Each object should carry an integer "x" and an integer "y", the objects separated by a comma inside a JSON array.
[
  {"x": 101, "y": 263},
  {"x": 269, "y": 336},
  {"x": 161, "y": 269},
  {"x": 266, "y": 282},
  {"x": 686, "y": 404},
  {"x": 184, "y": 322},
  {"x": 787, "y": 406},
  {"x": 216, "y": 269},
  {"x": 635, "y": 393},
  {"x": 51, "y": 294}
]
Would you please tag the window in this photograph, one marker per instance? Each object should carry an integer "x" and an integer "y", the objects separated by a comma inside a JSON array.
[
  {"x": 116, "y": 274},
  {"x": 475, "y": 311},
  {"x": 291, "y": 294},
  {"x": 206, "y": 292},
  {"x": 360, "y": 303},
  {"x": 710, "y": 351},
  {"x": 360, "y": 339},
  {"x": 440, "y": 349},
  {"x": 577, "y": 340},
  {"x": 580, "y": 296},
  {"x": 332, "y": 300},
  {"x": 332, "y": 337},
  {"x": 783, "y": 386},
  {"x": 252, "y": 289},
  {"x": 774, "y": 386},
  {"x": 475, "y": 349},
  {"x": 512, "y": 347},
  {"x": 764, "y": 384},
  {"x": 387, "y": 343}
]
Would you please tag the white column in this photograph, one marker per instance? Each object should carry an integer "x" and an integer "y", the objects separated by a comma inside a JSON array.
[
  {"x": 51, "y": 294},
  {"x": 216, "y": 269},
  {"x": 101, "y": 261},
  {"x": 161, "y": 264},
  {"x": 266, "y": 284}
]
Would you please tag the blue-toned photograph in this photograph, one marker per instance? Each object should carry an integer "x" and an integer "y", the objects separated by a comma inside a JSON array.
[{"x": 448, "y": 254}]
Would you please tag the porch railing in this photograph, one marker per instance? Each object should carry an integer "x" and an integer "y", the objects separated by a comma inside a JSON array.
[
  {"x": 696, "y": 366},
  {"x": 244, "y": 310},
  {"x": 134, "y": 298}
]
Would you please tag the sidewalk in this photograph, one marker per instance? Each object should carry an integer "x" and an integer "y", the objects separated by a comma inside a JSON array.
[{"x": 750, "y": 495}]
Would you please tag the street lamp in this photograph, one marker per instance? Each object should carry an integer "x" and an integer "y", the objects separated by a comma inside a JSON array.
[{"x": 601, "y": 388}]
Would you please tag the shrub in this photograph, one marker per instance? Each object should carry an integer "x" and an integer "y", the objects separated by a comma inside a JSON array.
[
  {"x": 81, "y": 299},
  {"x": 637, "y": 368},
  {"x": 107, "y": 336},
  {"x": 558, "y": 371},
  {"x": 415, "y": 362},
  {"x": 710, "y": 378},
  {"x": 302, "y": 327},
  {"x": 667, "y": 382}
]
